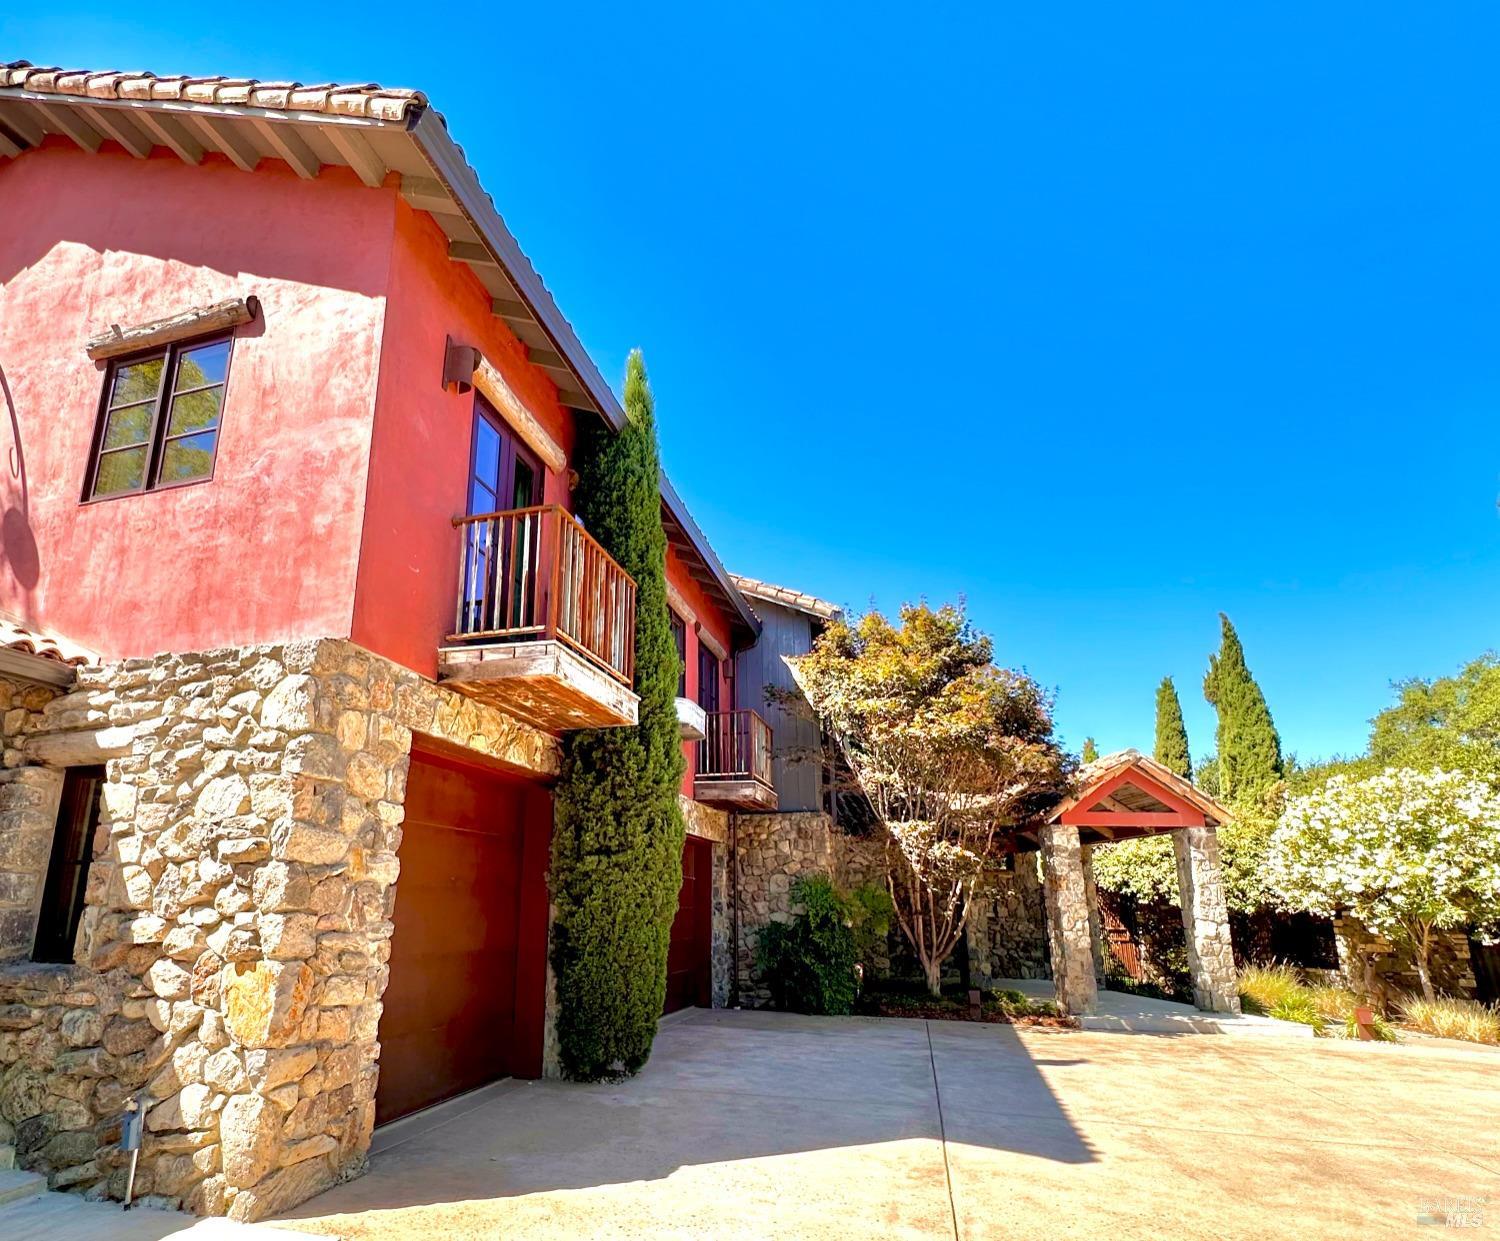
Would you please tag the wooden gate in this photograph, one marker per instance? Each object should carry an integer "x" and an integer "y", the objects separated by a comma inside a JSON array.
[{"x": 1121, "y": 944}]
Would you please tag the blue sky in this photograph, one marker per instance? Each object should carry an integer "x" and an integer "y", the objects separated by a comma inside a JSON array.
[{"x": 1105, "y": 317}]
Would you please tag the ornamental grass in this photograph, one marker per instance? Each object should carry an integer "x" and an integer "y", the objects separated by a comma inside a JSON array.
[{"x": 1449, "y": 1018}]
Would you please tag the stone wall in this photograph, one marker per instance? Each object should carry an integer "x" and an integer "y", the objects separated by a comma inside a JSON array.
[
  {"x": 1013, "y": 937},
  {"x": 234, "y": 945},
  {"x": 772, "y": 850},
  {"x": 1368, "y": 961},
  {"x": 28, "y": 812}
]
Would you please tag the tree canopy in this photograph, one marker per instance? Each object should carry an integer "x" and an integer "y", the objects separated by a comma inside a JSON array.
[
  {"x": 947, "y": 747},
  {"x": 1249, "y": 748},
  {"x": 1171, "y": 749},
  {"x": 1405, "y": 852}
]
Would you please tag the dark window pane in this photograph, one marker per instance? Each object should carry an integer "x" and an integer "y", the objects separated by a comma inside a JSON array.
[
  {"x": 120, "y": 471},
  {"x": 128, "y": 426},
  {"x": 196, "y": 411},
  {"x": 525, "y": 488},
  {"x": 139, "y": 381},
  {"x": 203, "y": 365},
  {"x": 190, "y": 457},
  {"x": 68, "y": 870},
  {"x": 487, "y": 454}
]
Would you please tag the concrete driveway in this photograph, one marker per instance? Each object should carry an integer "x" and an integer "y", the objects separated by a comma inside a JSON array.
[{"x": 769, "y": 1125}]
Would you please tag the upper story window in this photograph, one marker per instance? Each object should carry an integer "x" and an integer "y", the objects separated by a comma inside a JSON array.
[
  {"x": 159, "y": 424},
  {"x": 679, "y": 638},
  {"x": 708, "y": 679}
]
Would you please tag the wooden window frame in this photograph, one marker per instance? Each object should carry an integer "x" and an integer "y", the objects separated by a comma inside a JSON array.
[
  {"x": 679, "y": 625},
  {"x": 156, "y": 440}
]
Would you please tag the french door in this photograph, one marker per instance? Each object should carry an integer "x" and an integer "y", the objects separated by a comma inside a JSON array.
[{"x": 502, "y": 555}]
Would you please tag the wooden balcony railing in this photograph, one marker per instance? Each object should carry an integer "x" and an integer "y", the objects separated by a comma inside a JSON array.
[
  {"x": 536, "y": 574},
  {"x": 736, "y": 745}
]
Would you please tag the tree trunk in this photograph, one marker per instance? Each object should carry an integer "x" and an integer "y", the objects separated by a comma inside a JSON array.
[
  {"x": 1424, "y": 967},
  {"x": 932, "y": 970}
]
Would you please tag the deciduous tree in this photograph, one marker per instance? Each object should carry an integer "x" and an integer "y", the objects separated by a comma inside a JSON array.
[
  {"x": 1405, "y": 852},
  {"x": 947, "y": 747}
]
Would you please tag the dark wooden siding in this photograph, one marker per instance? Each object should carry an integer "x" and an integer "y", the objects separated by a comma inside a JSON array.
[{"x": 795, "y": 770}]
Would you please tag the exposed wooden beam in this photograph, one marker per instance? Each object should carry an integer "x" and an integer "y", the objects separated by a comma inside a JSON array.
[
  {"x": 68, "y": 121},
  {"x": 173, "y": 135},
  {"x": 546, "y": 359},
  {"x": 489, "y": 381},
  {"x": 508, "y": 308},
  {"x": 427, "y": 194},
  {"x": 291, "y": 146},
  {"x": 117, "y": 125},
  {"x": 225, "y": 139},
  {"x": 356, "y": 148},
  {"x": 19, "y": 120},
  {"x": 473, "y": 253},
  {"x": 8, "y": 148}
]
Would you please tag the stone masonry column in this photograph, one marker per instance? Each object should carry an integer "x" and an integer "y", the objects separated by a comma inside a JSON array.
[
  {"x": 1205, "y": 918},
  {"x": 1096, "y": 920},
  {"x": 1068, "y": 920}
]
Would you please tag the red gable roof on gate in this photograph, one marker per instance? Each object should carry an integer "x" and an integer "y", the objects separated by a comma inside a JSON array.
[{"x": 1127, "y": 794}]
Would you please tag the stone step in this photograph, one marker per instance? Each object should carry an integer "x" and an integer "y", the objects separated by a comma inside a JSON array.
[
  {"x": 68, "y": 1217},
  {"x": 1200, "y": 1023},
  {"x": 16, "y": 1185}
]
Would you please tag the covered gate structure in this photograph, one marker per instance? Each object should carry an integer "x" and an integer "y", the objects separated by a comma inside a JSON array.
[{"x": 1120, "y": 796}]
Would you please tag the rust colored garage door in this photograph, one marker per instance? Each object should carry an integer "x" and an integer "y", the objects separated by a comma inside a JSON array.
[
  {"x": 466, "y": 960},
  {"x": 688, "y": 971}
]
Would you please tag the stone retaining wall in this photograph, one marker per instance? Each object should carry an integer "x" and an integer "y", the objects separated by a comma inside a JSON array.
[
  {"x": 234, "y": 944},
  {"x": 1367, "y": 959}
]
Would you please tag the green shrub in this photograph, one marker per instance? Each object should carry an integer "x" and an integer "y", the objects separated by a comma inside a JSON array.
[
  {"x": 1447, "y": 1018},
  {"x": 618, "y": 830},
  {"x": 1300, "y": 1007},
  {"x": 808, "y": 962}
]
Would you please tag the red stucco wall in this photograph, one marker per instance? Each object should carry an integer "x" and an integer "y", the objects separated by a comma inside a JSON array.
[
  {"x": 266, "y": 549},
  {"x": 419, "y": 462},
  {"x": 711, "y": 618},
  {"x": 341, "y": 458}
]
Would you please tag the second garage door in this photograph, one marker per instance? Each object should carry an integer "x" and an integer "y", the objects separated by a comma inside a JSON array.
[
  {"x": 688, "y": 959},
  {"x": 460, "y": 953}
]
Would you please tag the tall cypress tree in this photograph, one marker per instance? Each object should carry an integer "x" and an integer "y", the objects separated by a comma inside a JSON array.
[
  {"x": 618, "y": 829},
  {"x": 1171, "y": 733},
  {"x": 1249, "y": 747},
  {"x": 1090, "y": 750}
]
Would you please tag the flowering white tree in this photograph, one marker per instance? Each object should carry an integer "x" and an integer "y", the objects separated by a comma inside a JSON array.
[{"x": 1405, "y": 852}]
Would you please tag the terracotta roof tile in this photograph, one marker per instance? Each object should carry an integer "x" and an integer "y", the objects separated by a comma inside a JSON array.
[
  {"x": 787, "y": 597},
  {"x": 15, "y": 636},
  {"x": 368, "y": 99}
]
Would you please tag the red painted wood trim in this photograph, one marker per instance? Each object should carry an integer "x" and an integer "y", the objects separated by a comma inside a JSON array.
[
  {"x": 1139, "y": 778},
  {"x": 1079, "y": 817}
]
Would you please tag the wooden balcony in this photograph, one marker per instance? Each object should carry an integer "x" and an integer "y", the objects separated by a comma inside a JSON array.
[
  {"x": 545, "y": 622},
  {"x": 734, "y": 762}
]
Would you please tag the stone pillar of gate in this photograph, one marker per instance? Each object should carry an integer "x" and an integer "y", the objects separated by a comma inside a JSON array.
[
  {"x": 1096, "y": 921},
  {"x": 1068, "y": 920},
  {"x": 1205, "y": 919}
]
